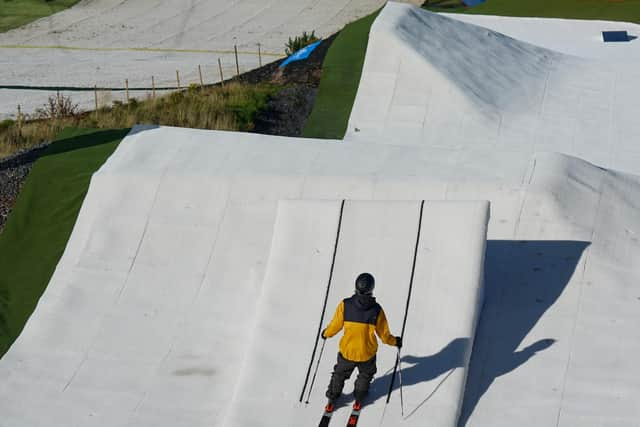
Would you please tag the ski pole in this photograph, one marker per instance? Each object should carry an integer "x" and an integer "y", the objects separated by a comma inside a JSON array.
[
  {"x": 406, "y": 310},
  {"x": 313, "y": 380},
  {"x": 400, "y": 379},
  {"x": 324, "y": 304}
]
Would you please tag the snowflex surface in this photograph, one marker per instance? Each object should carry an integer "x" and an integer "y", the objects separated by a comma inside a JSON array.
[
  {"x": 177, "y": 322},
  {"x": 374, "y": 236},
  {"x": 180, "y": 297},
  {"x": 443, "y": 83},
  {"x": 104, "y": 42}
]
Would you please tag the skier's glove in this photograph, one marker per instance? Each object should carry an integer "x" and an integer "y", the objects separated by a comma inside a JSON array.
[{"x": 399, "y": 342}]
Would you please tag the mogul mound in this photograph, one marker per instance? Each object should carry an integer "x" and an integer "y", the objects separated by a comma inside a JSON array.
[{"x": 436, "y": 81}]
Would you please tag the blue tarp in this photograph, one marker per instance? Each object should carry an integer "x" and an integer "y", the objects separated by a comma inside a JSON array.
[
  {"x": 615, "y": 36},
  {"x": 301, "y": 54}
]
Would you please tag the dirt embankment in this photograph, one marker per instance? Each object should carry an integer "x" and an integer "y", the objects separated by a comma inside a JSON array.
[
  {"x": 288, "y": 110},
  {"x": 284, "y": 115}
]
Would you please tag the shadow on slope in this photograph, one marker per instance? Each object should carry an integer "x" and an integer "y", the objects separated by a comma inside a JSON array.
[
  {"x": 86, "y": 138},
  {"x": 495, "y": 71},
  {"x": 523, "y": 279},
  {"x": 418, "y": 369}
]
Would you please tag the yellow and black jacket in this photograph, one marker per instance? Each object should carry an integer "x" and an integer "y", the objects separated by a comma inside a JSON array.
[{"x": 362, "y": 318}]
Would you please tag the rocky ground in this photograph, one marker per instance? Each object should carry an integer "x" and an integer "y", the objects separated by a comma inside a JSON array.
[
  {"x": 288, "y": 110},
  {"x": 284, "y": 115},
  {"x": 13, "y": 172}
]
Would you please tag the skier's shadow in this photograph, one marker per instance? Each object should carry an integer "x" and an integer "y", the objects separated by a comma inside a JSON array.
[
  {"x": 523, "y": 280},
  {"x": 418, "y": 369}
]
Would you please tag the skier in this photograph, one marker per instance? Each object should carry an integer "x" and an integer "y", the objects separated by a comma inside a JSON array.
[{"x": 362, "y": 318}]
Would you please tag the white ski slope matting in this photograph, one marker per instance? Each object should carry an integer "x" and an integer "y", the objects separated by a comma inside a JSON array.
[
  {"x": 574, "y": 37},
  {"x": 375, "y": 236},
  {"x": 104, "y": 42},
  {"x": 179, "y": 324},
  {"x": 189, "y": 293},
  {"x": 444, "y": 83}
]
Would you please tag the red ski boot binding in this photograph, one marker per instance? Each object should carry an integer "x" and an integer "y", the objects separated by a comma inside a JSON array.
[{"x": 355, "y": 414}]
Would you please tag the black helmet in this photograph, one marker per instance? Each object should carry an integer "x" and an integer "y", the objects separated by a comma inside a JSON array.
[{"x": 365, "y": 284}]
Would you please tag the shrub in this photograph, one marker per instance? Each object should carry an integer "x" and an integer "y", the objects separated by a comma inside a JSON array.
[
  {"x": 57, "y": 107},
  {"x": 299, "y": 42}
]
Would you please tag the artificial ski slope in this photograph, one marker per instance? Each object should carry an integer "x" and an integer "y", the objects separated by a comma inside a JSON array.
[
  {"x": 104, "y": 42},
  {"x": 442, "y": 83},
  {"x": 195, "y": 295},
  {"x": 191, "y": 290}
]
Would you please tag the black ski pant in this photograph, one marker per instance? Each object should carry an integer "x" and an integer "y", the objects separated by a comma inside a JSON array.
[{"x": 342, "y": 372}]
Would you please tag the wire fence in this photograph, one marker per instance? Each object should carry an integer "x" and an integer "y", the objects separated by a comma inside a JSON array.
[{"x": 210, "y": 74}]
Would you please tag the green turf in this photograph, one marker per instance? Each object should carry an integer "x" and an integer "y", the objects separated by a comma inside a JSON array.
[
  {"x": 341, "y": 72},
  {"x": 15, "y": 13},
  {"x": 40, "y": 224},
  {"x": 608, "y": 10}
]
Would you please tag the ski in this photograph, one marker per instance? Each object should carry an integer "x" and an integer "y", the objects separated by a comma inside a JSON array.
[
  {"x": 355, "y": 415},
  {"x": 326, "y": 417}
]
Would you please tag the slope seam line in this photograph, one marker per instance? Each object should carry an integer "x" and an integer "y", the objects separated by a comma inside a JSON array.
[
  {"x": 577, "y": 315},
  {"x": 144, "y": 232}
]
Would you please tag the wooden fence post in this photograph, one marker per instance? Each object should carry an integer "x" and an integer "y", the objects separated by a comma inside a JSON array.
[
  {"x": 58, "y": 105},
  {"x": 260, "y": 54},
  {"x": 126, "y": 84},
  {"x": 95, "y": 98},
  {"x": 221, "y": 76},
  {"x": 19, "y": 120},
  {"x": 235, "y": 49},
  {"x": 201, "y": 80},
  {"x": 153, "y": 87},
  {"x": 178, "y": 78}
]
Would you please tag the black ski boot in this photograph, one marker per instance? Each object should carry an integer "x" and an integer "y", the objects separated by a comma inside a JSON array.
[{"x": 360, "y": 395}]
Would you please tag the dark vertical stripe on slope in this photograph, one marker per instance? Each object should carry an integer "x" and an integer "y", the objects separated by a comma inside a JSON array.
[
  {"x": 341, "y": 73},
  {"x": 41, "y": 222}
]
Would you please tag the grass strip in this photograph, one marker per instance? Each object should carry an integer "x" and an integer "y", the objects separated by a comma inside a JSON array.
[
  {"x": 41, "y": 222},
  {"x": 230, "y": 107},
  {"x": 16, "y": 13},
  {"x": 626, "y": 10},
  {"x": 341, "y": 71}
]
